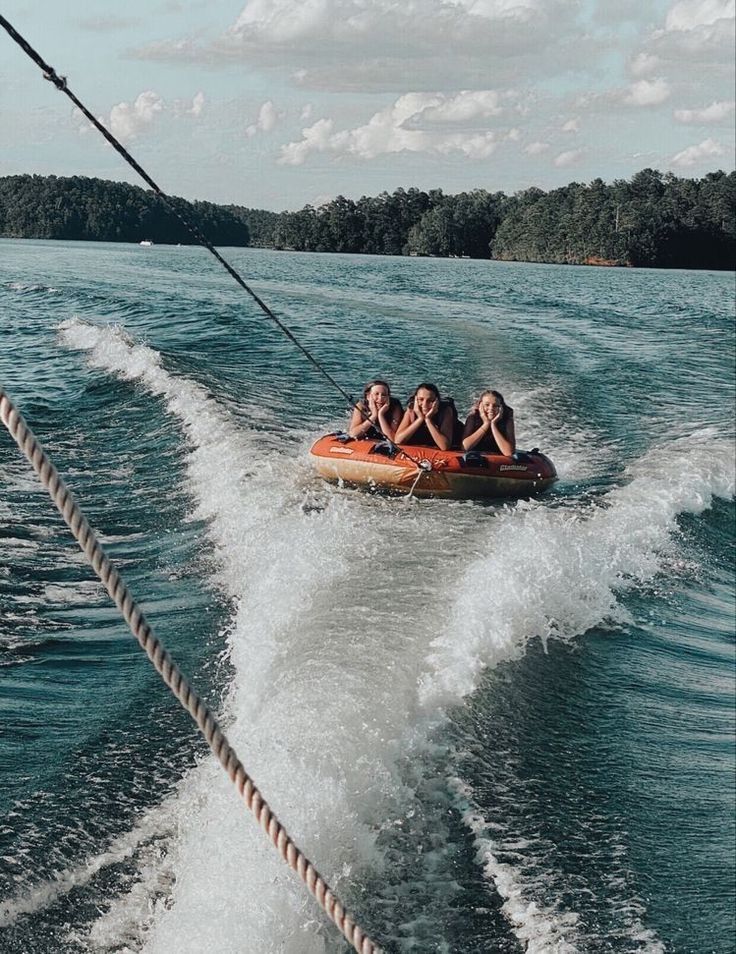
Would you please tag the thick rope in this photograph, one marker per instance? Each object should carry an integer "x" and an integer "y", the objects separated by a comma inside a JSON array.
[
  {"x": 418, "y": 477},
  {"x": 174, "y": 678}
]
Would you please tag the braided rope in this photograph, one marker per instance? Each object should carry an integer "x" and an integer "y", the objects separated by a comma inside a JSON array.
[{"x": 174, "y": 678}]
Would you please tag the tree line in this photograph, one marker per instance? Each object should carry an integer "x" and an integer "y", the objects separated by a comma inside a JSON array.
[
  {"x": 653, "y": 219},
  {"x": 78, "y": 208}
]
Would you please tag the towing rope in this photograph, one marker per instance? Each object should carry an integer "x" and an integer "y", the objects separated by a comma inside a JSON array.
[
  {"x": 173, "y": 676},
  {"x": 60, "y": 82},
  {"x": 423, "y": 467}
]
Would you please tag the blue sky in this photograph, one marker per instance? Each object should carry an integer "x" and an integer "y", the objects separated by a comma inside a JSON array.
[{"x": 277, "y": 103}]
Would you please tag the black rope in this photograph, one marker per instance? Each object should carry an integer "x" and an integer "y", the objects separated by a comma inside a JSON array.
[{"x": 60, "y": 83}]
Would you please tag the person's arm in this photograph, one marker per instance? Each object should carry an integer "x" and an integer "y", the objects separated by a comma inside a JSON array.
[
  {"x": 410, "y": 424},
  {"x": 359, "y": 425},
  {"x": 389, "y": 418},
  {"x": 505, "y": 437},
  {"x": 474, "y": 431},
  {"x": 441, "y": 434}
]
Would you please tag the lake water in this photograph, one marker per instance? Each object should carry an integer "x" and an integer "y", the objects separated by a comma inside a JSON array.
[{"x": 492, "y": 727}]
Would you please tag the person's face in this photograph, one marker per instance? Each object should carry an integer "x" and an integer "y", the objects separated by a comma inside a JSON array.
[
  {"x": 379, "y": 395},
  {"x": 424, "y": 399},
  {"x": 491, "y": 405}
]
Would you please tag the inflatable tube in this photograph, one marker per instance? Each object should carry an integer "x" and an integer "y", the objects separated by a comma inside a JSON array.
[{"x": 431, "y": 472}]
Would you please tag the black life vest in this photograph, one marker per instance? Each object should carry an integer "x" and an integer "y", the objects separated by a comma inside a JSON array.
[
  {"x": 422, "y": 437},
  {"x": 373, "y": 433},
  {"x": 487, "y": 444}
]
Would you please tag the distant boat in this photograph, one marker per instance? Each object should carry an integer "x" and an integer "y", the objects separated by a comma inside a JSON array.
[{"x": 146, "y": 243}]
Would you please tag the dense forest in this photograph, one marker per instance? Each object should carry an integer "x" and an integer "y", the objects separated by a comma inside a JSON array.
[
  {"x": 51, "y": 207},
  {"x": 651, "y": 220}
]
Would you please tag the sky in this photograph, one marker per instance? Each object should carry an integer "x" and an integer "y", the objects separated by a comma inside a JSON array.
[{"x": 274, "y": 104}]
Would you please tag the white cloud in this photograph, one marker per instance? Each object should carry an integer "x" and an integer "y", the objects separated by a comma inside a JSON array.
[
  {"x": 306, "y": 112},
  {"x": 480, "y": 146},
  {"x": 715, "y": 113},
  {"x": 695, "y": 44},
  {"x": 648, "y": 92},
  {"x": 536, "y": 148},
  {"x": 282, "y": 22},
  {"x": 694, "y": 154},
  {"x": 501, "y": 9},
  {"x": 127, "y": 120},
  {"x": 197, "y": 104},
  {"x": 568, "y": 158},
  {"x": 267, "y": 119},
  {"x": 362, "y": 45},
  {"x": 692, "y": 14},
  {"x": 316, "y": 138},
  {"x": 571, "y": 126},
  {"x": 643, "y": 64},
  {"x": 466, "y": 105},
  {"x": 415, "y": 122}
]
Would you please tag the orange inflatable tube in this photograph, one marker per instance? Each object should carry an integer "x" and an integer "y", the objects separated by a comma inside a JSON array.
[{"x": 431, "y": 472}]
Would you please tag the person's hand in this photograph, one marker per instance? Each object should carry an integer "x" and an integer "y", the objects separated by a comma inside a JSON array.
[
  {"x": 484, "y": 414},
  {"x": 431, "y": 410},
  {"x": 417, "y": 412},
  {"x": 497, "y": 415},
  {"x": 372, "y": 408}
]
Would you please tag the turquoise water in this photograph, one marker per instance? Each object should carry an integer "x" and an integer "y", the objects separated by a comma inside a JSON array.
[{"x": 493, "y": 727}]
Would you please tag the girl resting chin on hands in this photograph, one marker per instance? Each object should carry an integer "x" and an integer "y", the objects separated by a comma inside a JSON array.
[
  {"x": 377, "y": 415},
  {"x": 427, "y": 421},
  {"x": 490, "y": 428}
]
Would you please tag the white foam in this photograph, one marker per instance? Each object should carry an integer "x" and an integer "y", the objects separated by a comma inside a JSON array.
[
  {"x": 42, "y": 895},
  {"x": 30, "y": 287},
  {"x": 558, "y": 572},
  {"x": 274, "y": 556},
  {"x": 80, "y": 592},
  {"x": 357, "y": 620},
  {"x": 577, "y": 451},
  {"x": 540, "y": 926}
]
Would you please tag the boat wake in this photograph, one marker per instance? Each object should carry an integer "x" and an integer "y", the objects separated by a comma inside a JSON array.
[{"x": 358, "y": 624}]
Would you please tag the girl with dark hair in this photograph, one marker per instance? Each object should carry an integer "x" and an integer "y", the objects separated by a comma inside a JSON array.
[
  {"x": 490, "y": 426},
  {"x": 377, "y": 415},
  {"x": 427, "y": 420}
]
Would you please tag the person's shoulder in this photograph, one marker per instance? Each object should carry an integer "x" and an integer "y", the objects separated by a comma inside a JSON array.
[{"x": 472, "y": 422}]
